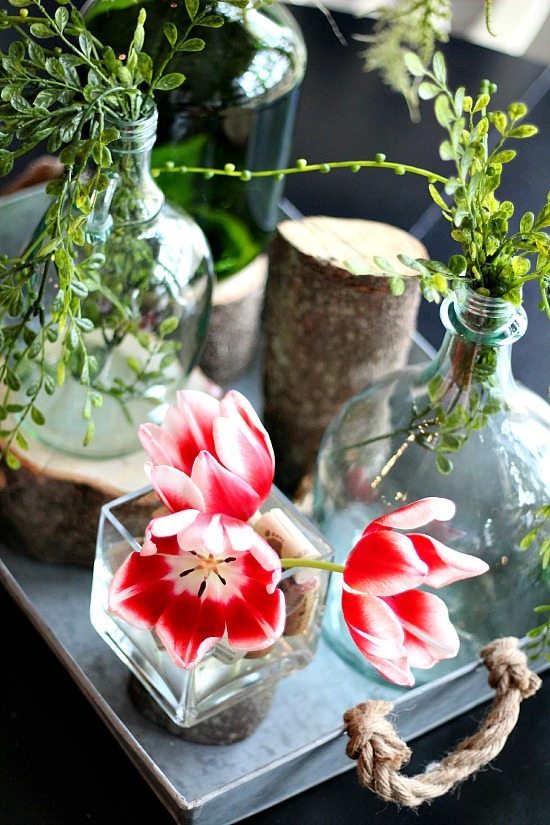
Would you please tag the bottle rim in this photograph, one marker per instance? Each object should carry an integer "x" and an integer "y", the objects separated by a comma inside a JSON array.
[
  {"x": 483, "y": 318},
  {"x": 135, "y": 136}
]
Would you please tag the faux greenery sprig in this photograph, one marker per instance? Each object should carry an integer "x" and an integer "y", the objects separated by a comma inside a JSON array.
[
  {"x": 408, "y": 24},
  {"x": 405, "y": 25},
  {"x": 539, "y": 537},
  {"x": 62, "y": 88},
  {"x": 493, "y": 260}
]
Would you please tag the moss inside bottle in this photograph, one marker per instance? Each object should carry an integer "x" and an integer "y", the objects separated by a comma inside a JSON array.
[{"x": 237, "y": 105}]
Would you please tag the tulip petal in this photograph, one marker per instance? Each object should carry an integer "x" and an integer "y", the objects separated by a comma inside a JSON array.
[
  {"x": 394, "y": 670},
  {"x": 375, "y": 622},
  {"x": 255, "y": 618},
  {"x": 414, "y": 515},
  {"x": 174, "y": 488},
  {"x": 169, "y": 525},
  {"x": 245, "y": 455},
  {"x": 161, "y": 534},
  {"x": 160, "y": 446},
  {"x": 236, "y": 404},
  {"x": 384, "y": 563},
  {"x": 191, "y": 423},
  {"x": 379, "y": 636},
  {"x": 223, "y": 491},
  {"x": 190, "y": 627},
  {"x": 445, "y": 565},
  {"x": 258, "y": 548},
  {"x": 243, "y": 444},
  {"x": 142, "y": 588},
  {"x": 429, "y": 633}
]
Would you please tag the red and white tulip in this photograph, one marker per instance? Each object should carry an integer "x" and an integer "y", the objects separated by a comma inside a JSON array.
[
  {"x": 201, "y": 578},
  {"x": 395, "y": 626},
  {"x": 209, "y": 455}
]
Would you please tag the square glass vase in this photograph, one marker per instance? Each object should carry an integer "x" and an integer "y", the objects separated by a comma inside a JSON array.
[{"x": 225, "y": 677}]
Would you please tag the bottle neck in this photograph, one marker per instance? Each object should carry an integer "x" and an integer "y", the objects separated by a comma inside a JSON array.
[
  {"x": 136, "y": 197},
  {"x": 477, "y": 346}
]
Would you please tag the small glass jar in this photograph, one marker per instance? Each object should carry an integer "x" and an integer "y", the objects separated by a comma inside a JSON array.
[{"x": 190, "y": 702}]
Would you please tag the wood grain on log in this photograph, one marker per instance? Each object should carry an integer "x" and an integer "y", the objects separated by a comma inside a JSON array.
[{"x": 329, "y": 333}]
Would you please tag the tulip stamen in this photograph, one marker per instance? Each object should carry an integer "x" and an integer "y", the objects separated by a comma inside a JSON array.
[
  {"x": 202, "y": 588},
  {"x": 186, "y": 572}
]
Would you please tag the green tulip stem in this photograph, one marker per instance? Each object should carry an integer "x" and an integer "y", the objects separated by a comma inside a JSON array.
[{"x": 315, "y": 564}]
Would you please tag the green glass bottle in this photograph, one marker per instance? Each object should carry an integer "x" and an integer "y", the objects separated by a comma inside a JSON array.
[{"x": 237, "y": 105}]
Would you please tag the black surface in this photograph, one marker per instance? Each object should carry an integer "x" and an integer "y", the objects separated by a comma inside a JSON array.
[{"x": 59, "y": 764}]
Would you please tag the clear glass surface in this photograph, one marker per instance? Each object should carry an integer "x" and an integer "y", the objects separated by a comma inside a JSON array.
[
  {"x": 225, "y": 676},
  {"x": 367, "y": 465},
  {"x": 155, "y": 265}
]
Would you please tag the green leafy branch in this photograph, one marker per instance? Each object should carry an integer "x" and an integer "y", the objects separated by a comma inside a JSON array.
[
  {"x": 403, "y": 26},
  {"x": 497, "y": 261},
  {"x": 539, "y": 536},
  {"x": 60, "y": 87},
  {"x": 493, "y": 260}
]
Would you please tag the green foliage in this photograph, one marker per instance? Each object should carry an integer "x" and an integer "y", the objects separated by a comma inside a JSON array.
[
  {"x": 404, "y": 38},
  {"x": 539, "y": 537},
  {"x": 405, "y": 35},
  {"x": 540, "y": 635},
  {"x": 539, "y": 534},
  {"x": 59, "y": 88},
  {"x": 494, "y": 260}
]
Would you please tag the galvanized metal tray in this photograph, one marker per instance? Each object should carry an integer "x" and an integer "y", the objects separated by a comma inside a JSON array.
[{"x": 301, "y": 742}]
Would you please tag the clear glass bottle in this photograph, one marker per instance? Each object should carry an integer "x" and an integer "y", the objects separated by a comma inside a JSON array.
[
  {"x": 460, "y": 428},
  {"x": 150, "y": 308},
  {"x": 226, "y": 681},
  {"x": 237, "y": 105}
]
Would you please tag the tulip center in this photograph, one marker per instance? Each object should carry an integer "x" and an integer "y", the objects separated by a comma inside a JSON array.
[{"x": 206, "y": 565}]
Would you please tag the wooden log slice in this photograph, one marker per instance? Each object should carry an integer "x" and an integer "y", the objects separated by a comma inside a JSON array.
[
  {"x": 329, "y": 333},
  {"x": 50, "y": 506},
  {"x": 235, "y": 321}
]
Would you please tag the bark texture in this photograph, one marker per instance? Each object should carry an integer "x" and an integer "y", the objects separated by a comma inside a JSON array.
[
  {"x": 50, "y": 508},
  {"x": 235, "y": 321},
  {"x": 329, "y": 333}
]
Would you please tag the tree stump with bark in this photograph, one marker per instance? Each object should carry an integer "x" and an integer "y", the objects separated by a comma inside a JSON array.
[{"x": 329, "y": 333}]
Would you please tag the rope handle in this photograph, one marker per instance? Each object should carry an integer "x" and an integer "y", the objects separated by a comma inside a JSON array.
[{"x": 380, "y": 754}]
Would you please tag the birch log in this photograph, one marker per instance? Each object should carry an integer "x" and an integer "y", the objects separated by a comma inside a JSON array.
[{"x": 329, "y": 333}]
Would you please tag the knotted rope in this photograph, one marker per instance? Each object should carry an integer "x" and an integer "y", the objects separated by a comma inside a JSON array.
[{"x": 380, "y": 753}]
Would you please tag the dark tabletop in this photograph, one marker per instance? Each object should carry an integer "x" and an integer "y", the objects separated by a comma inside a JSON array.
[{"x": 59, "y": 764}]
